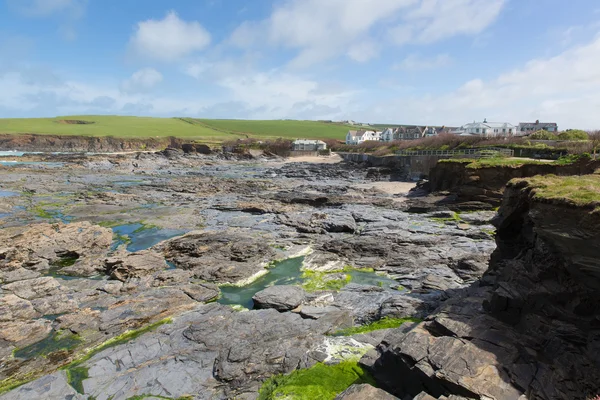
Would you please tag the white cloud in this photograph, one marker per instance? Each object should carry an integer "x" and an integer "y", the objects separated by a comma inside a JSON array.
[
  {"x": 439, "y": 19},
  {"x": 142, "y": 80},
  {"x": 415, "y": 62},
  {"x": 563, "y": 88},
  {"x": 168, "y": 39},
  {"x": 321, "y": 30},
  {"x": 44, "y": 8}
]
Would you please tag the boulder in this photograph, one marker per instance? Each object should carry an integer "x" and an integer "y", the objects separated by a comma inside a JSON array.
[
  {"x": 125, "y": 266},
  {"x": 281, "y": 298}
]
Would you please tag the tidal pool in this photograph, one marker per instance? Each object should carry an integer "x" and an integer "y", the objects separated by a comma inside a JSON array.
[
  {"x": 6, "y": 193},
  {"x": 138, "y": 236},
  {"x": 289, "y": 272}
]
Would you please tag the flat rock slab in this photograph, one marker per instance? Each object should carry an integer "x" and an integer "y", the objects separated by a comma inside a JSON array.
[
  {"x": 54, "y": 386},
  {"x": 364, "y": 392},
  {"x": 281, "y": 298}
]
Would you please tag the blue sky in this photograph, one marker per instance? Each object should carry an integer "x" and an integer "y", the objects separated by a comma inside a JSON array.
[{"x": 404, "y": 61}]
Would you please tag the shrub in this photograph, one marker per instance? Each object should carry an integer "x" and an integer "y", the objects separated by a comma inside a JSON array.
[{"x": 573, "y": 134}]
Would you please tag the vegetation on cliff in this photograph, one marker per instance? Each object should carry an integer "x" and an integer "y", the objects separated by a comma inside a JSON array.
[
  {"x": 515, "y": 162},
  {"x": 583, "y": 191}
]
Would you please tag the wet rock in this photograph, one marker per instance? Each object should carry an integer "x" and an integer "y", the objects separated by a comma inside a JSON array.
[
  {"x": 134, "y": 265},
  {"x": 34, "y": 288},
  {"x": 223, "y": 257},
  {"x": 363, "y": 392},
  {"x": 54, "y": 386},
  {"x": 281, "y": 298}
]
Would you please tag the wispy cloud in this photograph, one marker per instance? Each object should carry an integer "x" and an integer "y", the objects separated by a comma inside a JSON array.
[
  {"x": 168, "y": 39},
  {"x": 415, "y": 62}
]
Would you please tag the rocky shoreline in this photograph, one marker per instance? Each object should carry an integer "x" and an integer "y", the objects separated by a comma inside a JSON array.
[{"x": 133, "y": 275}]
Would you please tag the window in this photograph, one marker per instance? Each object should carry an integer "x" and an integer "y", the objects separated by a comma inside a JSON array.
[
  {"x": 477, "y": 130},
  {"x": 503, "y": 130}
]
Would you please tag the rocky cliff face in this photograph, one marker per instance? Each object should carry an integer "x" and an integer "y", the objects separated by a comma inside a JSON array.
[
  {"x": 530, "y": 327},
  {"x": 487, "y": 184},
  {"x": 103, "y": 144}
]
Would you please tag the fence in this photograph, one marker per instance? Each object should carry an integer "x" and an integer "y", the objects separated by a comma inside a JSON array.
[{"x": 487, "y": 152}]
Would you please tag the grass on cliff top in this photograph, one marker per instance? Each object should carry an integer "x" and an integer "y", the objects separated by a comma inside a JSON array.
[
  {"x": 203, "y": 130},
  {"x": 493, "y": 162},
  {"x": 582, "y": 190},
  {"x": 515, "y": 162},
  {"x": 323, "y": 382}
]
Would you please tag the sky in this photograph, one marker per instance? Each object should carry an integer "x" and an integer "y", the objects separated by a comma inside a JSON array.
[{"x": 430, "y": 62}]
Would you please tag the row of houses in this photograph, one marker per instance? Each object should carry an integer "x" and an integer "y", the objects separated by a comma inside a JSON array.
[{"x": 483, "y": 129}]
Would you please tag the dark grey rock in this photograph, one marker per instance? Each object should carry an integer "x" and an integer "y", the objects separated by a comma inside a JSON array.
[
  {"x": 280, "y": 298},
  {"x": 363, "y": 392}
]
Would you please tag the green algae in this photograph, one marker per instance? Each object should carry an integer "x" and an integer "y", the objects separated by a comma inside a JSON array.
[
  {"x": 315, "y": 281},
  {"x": 385, "y": 323},
  {"x": 321, "y": 381},
  {"x": 154, "y": 396},
  {"x": 54, "y": 342},
  {"x": 76, "y": 376}
]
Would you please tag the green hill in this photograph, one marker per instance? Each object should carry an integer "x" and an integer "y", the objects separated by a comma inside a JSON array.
[{"x": 205, "y": 130}]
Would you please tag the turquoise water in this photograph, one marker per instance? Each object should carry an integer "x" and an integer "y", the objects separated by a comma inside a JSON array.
[
  {"x": 138, "y": 236},
  {"x": 289, "y": 272},
  {"x": 44, "y": 163},
  {"x": 285, "y": 272},
  {"x": 6, "y": 193}
]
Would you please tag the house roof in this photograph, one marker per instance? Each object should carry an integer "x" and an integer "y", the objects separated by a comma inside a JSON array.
[
  {"x": 307, "y": 141},
  {"x": 359, "y": 133},
  {"x": 492, "y": 125},
  {"x": 536, "y": 124}
]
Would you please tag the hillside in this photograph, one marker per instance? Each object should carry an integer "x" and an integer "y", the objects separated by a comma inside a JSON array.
[
  {"x": 204, "y": 130},
  {"x": 289, "y": 129}
]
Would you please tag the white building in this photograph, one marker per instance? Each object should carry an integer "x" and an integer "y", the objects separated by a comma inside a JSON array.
[
  {"x": 308, "y": 145},
  {"x": 358, "y": 137},
  {"x": 487, "y": 129}
]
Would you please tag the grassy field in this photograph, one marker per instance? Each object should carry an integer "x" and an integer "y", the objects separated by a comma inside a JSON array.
[
  {"x": 278, "y": 128},
  {"x": 201, "y": 130}
]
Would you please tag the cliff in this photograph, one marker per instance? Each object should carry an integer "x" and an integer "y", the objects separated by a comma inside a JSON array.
[
  {"x": 531, "y": 326},
  {"x": 470, "y": 181},
  {"x": 101, "y": 144}
]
